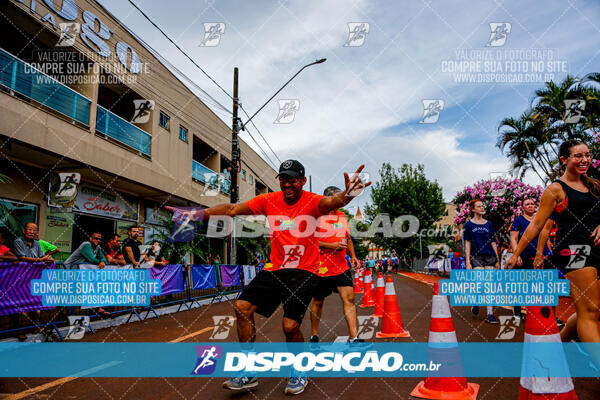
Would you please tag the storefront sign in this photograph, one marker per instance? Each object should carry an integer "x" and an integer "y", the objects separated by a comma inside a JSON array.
[
  {"x": 106, "y": 203},
  {"x": 59, "y": 230},
  {"x": 63, "y": 189}
]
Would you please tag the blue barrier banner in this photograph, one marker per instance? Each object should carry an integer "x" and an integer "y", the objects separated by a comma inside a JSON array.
[
  {"x": 222, "y": 359},
  {"x": 504, "y": 287},
  {"x": 230, "y": 275},
  {"x": 15, "y": 279},
  {"x": 203, "y": 277},
  {"x": 171, "y": 277},
  {"x": 95, "y": 287}
]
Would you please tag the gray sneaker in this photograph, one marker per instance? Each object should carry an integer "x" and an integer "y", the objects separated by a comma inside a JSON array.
[
  {"x": 241, "y": 383},
  {"x": 296, "y": 385}
]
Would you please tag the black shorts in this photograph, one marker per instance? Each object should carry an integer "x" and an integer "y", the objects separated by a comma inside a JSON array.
[
  {"x": 292, "y": 287},
  {"x": 329, "y": 284},
  {"x": 570, "y": 263},
  {"x": 482, "y": 261}
]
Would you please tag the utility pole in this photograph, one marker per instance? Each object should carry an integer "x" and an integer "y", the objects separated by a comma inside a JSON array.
[
  {"x": 235, "y": 149},
  {"x": 235, "y": 161}
]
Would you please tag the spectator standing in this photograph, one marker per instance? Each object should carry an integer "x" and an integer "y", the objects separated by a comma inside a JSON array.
[
  {"x": 88, "y": 252},
  {"x": 154, "y": 255},
  {"x": 27, "y": 248},
  {"x": 131, "y": 246},
  {"x": 112, "y": 250},
  {"x": 47, "y": 247},
  {"x": 5, "y": 254}
]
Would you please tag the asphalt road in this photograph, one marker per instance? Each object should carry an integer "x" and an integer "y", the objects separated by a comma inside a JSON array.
[{"x": 197, "y": 326}]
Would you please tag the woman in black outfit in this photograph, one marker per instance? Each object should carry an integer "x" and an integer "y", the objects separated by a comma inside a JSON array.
[{"x": 573, "y": 200}]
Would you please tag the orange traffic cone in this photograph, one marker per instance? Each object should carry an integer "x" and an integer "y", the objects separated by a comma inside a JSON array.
[
  {"x": 361, "y": 276},
  {"x": 357, "y": 286},
  {"x": 442, "y": 331},
  {"x": 368, "y": 299},
  {"x": 540, "y": 326},
  {"x": 379, "y": 296},
  {"x": 391, "y": 326}
]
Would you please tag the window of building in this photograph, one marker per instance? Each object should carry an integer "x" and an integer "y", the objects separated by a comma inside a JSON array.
[
  {"x": 13, "y": 217},
  {"x": 251, "y": 180},
  {"x": 163, "y": 120},
  {"x": 182, "y": 133},
  {"x": 243, "y": 174}
]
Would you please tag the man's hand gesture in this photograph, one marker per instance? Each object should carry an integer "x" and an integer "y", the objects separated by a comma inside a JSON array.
[{"x": 354, "y": 184}]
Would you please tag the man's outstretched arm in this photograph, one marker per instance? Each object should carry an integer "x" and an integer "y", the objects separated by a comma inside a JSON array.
[{"x": 230, "y": 210}]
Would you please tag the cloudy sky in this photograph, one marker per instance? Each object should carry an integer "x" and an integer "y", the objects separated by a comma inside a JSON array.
[{"x": 365, "y": 104}]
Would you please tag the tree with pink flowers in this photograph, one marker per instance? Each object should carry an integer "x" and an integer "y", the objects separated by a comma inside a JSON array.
[{"x": 502, "y": 199}]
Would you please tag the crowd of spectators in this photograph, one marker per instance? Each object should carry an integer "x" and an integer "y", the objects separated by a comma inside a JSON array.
[{"x": 96, "y": 250}]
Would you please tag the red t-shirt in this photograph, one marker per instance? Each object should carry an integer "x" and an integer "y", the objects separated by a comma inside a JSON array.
[
  {"x": 293, "y": 241},
  {"x": 333, "y": 228}
]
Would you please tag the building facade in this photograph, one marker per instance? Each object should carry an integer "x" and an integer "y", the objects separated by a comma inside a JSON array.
[{"x": 80, "y": 94}]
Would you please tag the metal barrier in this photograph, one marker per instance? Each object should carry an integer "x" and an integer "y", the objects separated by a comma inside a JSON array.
[{"x": 55, "y": 318}]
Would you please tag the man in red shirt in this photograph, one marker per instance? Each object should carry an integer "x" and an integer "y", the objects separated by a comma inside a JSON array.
[
  {"x": 334, "y": 273},
  {"x": 292, "y": 277}
]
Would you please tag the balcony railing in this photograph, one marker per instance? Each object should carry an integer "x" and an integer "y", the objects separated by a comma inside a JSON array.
[
  {"x": 122, "y": 131},
  {"x": 209, "y": 177},
  {"x": 23, "y": 78},
  {"x": 204, "y": 174}
]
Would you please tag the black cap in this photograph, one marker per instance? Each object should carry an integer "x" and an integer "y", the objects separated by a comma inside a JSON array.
[
  {"x": 291, "y": 168},
  {"x": 331, "y": 190}
]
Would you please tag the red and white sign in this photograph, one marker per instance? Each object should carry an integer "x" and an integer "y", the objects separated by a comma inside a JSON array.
[{"x": 106, "y": 203}]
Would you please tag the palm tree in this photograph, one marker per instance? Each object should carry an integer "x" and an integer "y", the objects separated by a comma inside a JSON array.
[
  {"x": 527, "y": 145},
  {"x": 549, "y": 107}
]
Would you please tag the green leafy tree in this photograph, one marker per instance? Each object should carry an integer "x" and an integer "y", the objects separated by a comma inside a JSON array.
[{"x": 401, "y": 192}]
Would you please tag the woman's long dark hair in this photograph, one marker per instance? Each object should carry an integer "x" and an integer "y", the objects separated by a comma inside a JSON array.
[{"x": 565, "y": 151}]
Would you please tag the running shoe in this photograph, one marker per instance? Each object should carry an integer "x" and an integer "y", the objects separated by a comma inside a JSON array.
[
  {"x": 314, "y": 339},
  {"x": 296, "y": 385},
  {"x": 475, "y": 310},
  {"x": 560, "y": 324},
  {"x": 241, "y": 383},
  {"x": 491, "y": 319}
]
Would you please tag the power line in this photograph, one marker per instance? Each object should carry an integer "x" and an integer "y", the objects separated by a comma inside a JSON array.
[
  {"x": 263, "y": 138},
  {"x": 207, "y": 75},
  {"x": 179, "y": 48}
]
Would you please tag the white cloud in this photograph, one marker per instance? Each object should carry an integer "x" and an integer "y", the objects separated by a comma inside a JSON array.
[{"x": 359, "y": 92}]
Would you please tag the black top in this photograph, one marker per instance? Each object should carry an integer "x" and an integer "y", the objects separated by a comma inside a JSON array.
[
  {"x": 135, "y": 249},
  {"x": 576, "y": 217}
]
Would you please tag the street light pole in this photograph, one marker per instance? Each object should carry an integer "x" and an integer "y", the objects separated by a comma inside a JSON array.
[
  {"x": 236, "y": 157},
  {"x": 320, "y": 61}
]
